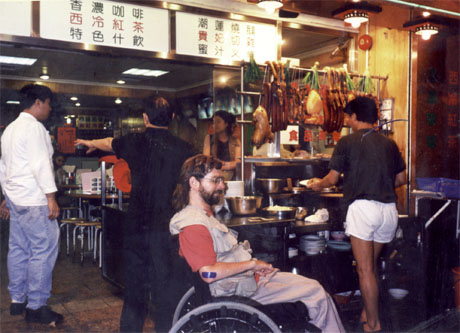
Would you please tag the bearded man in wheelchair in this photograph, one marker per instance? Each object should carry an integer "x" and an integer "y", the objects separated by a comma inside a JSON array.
[{"x": 226, "y": 266}]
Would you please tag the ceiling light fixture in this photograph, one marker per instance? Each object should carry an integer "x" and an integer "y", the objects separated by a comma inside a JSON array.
[
  {"x": 355, "y": 18},
  {"x": 74, "y": 98},
  {"x": 77, "y": 104},
  {"x": 17, "y": 60},
  {"x": 270, "y": 5},
  {"x": 144, "y": 72},
  {"x": 426, "y": 31},
  {"x": 44, "y": 76},
  {"x": 426, "y": 14},
  {"x": 118, "y": 101},
  {"x": 356, "y": 13},
  {"x": 121, "y": 82},
  {"x": 13, "y": 102},
  {"x": 424, "y": 27}
]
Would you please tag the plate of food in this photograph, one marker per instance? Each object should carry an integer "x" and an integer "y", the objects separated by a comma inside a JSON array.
[{"x": 306, "y": 182}]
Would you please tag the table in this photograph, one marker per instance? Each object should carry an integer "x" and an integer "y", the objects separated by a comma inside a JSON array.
[
  {"x": 80, "y": 195},
  {"x": 68, "y": 186},
  {"x": 286, "y": 226}
]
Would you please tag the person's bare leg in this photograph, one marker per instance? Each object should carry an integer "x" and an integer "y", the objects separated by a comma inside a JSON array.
[
  {"x": 363, "y": 251},
  {"x": 377, "y": 249}
]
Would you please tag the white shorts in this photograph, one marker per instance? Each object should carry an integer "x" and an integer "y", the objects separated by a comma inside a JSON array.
[{"x": 372, "y": 220}]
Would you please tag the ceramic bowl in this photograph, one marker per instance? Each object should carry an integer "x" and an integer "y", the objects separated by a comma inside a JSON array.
[{"x": 398, "y": 293}]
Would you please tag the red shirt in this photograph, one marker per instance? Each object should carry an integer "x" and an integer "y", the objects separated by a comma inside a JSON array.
[{"x": 197, "y": 246}]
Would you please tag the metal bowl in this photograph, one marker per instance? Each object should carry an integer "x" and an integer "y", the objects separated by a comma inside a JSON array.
[
  {"x": 271, "y": 185},
  {"x": 284, "y": 213},
  {"x": 245, "y": 205}
]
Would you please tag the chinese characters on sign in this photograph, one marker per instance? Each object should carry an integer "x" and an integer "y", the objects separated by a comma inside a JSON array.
[
  {"x": 229, "y": 40},
  {"x": 290, "y": 136},
  {"x": 106, "y": 23}
]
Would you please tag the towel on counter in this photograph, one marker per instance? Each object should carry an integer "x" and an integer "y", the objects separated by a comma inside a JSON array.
[{"x": 321, "y": 215}]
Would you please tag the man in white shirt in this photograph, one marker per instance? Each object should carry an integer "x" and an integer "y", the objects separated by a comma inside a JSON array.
[{"x": 27, "y": 180}]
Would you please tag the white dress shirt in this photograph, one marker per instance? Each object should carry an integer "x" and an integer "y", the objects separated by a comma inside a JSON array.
[{"x": 26, "y": 165}]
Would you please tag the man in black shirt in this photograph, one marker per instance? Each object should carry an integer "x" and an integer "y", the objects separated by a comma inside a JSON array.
[
  {"x": 154, "y": 158},
  {"x": 372, "y": 166}
]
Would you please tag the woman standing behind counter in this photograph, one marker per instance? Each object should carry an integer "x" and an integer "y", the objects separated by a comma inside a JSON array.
[{"x": 222, "y": 144}]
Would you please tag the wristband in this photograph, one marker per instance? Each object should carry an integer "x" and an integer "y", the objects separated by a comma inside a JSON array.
[{"x": 208, "y": 275}]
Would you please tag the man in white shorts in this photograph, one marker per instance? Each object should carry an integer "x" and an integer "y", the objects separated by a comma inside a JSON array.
[{"x": 372, "y": 166}]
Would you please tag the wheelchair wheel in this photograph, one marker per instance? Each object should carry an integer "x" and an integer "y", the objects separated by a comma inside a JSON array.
[
  {"x": 185, "y": 305},
  {"x": 225, "y": 317}
]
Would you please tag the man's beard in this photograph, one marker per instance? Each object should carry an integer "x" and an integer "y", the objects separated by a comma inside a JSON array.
[{"x": 211, "y": 198}]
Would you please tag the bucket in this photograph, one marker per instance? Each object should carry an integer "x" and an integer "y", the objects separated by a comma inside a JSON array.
[{"x": 456, "y": 271}]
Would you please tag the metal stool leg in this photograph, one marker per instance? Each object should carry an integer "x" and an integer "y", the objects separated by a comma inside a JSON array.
[
  {"x": 100, "y": 249},
  {"x": 96, "y": 231},
  {"x": 82, "y": 251},
  {"x": 74, "y": 242}
]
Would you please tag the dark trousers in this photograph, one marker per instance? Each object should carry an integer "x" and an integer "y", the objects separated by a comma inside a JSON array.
[{"x": 153, "y": 272}]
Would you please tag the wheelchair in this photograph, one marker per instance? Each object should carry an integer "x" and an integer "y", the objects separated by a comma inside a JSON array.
[{"x": 198, "y": 311}]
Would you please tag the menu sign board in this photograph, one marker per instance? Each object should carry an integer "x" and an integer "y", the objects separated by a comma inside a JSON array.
[
  {"x": 66, "y": 139},
  {"x": 15, "y": 17},
  {"x": 105, "y": 23},
  {"x": 229, "y": 40}
]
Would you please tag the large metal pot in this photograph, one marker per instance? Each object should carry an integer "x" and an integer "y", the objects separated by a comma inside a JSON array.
[
  {"x": 244, "y": 205},
  {"x": 271, "y": 185}
]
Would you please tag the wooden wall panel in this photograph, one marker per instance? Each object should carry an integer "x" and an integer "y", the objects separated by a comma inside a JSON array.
[{"x": 389, "y": 55}]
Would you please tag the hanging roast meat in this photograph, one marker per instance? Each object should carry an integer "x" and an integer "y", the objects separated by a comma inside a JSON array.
[
  {"x": 276, "y": 100},
  {"x": 262, "y": 131},
  {"x": 284, "y": 99}
]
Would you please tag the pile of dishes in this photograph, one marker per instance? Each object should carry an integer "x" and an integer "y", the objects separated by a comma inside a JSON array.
[
  {"x": 339, "y": 245},
  {"x": 312, "y": 244}
]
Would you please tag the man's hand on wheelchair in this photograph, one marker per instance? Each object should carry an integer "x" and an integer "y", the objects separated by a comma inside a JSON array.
[{"x": 262, "y": 268}]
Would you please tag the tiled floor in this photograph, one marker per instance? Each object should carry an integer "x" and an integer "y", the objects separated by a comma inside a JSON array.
[
  {"x": 87, "y": 301},
  {"x": 91, "y": 304}
]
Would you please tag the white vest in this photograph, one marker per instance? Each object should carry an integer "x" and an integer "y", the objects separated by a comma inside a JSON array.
[{"x": 226, "y": 247}]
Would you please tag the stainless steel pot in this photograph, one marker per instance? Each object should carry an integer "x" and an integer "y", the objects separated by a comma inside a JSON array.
[
  {"x": 271, "y": 185},
  {"x": 244, "y": 205}
]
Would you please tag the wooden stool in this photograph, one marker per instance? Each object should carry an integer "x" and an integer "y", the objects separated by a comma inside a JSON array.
[
  {"x": 81, "y": 226},
  {"x": 68, "y": 222}
]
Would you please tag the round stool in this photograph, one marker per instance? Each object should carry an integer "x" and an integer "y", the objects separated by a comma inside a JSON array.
[
  {"x": 81, "y": 226},
  {"x": 68, "y": 222}
]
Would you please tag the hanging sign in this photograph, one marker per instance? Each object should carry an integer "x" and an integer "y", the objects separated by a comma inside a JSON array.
[
  {"x": 290, "y": 136},
  {"x": 106, "y": 23},
  {"x": 66, "y": 139},
  {"x": 15, "y": 17},
  {"x": 229, "y": 40}
]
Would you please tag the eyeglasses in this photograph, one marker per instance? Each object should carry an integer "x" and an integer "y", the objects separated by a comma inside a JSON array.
[{"x": 216, "y": 180}]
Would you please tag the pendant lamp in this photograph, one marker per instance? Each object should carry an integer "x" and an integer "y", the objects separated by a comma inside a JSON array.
[
  {"x": 424, "y": 27},
  {"x": 426, "y": 31},
  {"x": 270, "y": 5},
  {"x": 356, "y": 13}
]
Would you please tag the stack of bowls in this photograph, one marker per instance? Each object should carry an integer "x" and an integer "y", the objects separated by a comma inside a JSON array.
[
  {"x": 339, "y": 245},
  {"x": 312, "y": 244},
  {"x": 338, "y": 235}
]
